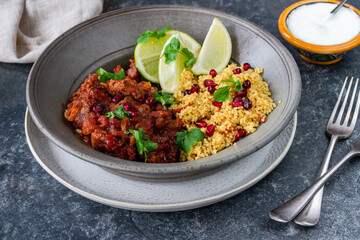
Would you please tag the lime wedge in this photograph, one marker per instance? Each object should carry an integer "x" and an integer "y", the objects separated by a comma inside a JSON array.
[
  {"x": 216, "y": 50},
  {"x": 147, "y": 57},
  {"x": 169, "y": 74}
]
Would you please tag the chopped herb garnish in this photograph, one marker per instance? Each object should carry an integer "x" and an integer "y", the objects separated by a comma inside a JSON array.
[
  {"x": 222, "y": 94},
  {"x": 186, "y": 140},
  {"x": 104, "y": 76},
  {"x": 119, "y": 113},
  {"x": 164, "y": 98},
  {"x": 154, "y": 33},
  {"x": 143, "y": 146},
  {"x": 173, "y": 48},
  {"x": 238, "y": 86},
  {"x": 230, "y": 80},
  {"x": 190, "y": 56}
]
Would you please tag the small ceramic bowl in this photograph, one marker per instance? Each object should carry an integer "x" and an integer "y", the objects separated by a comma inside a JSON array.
[{"x": 317, "y": 54}]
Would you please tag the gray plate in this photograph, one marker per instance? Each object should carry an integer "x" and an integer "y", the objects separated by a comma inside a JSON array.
[
  {"x": 101, "y": 186},
  {"x": 108, "y": 40}
]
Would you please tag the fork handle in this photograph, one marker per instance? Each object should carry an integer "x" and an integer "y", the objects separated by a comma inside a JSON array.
[
  {"x": 310, "y": 215},
  {"x": 289, "y": 210}
]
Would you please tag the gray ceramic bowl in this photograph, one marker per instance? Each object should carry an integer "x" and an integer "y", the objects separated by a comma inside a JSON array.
[{"x": 109, "y": 39}]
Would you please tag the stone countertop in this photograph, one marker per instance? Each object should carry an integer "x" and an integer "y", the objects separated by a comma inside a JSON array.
[{"x": 33, "y": 205}]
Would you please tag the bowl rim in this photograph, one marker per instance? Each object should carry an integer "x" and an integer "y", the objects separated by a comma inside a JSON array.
[
  {"x": 322, "y": 49},
  {"x": 108, "y": 161}
]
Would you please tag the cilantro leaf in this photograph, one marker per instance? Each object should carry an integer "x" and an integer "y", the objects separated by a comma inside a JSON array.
[
  {"x": 190, "y": 62},
  {"x": 186, "y": 140},
  {"x": 161, "y": 33},
  {"x": 139, "y": 137},
  {"x": 148, "y": 147},
  {"x": 171, "y": 50},
  {"x": 175, "y": 44},
  {"x": 222, "y": 94},
  {"x": 144, "y": 37},
  {"x": 143, "y": 146},
  {"x": 231, "y": 80},
  {"x": 104, "y": 76},
  {"x": 119, "y": 113},
  {"x": 238, "y": 86},
  {"x": 190, "y": 56},
  {"x": 170, "y": 56},
  {"x": 164, "y": 98},
  {"x": 187, "y": 53},
  {"x": 154, "y": 33}
]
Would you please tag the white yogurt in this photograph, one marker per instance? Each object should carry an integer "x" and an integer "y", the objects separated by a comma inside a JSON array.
[{"x": 313, "y": 23}]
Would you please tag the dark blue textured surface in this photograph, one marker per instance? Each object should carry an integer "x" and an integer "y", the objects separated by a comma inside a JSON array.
[{"x": 33, "y": 205}]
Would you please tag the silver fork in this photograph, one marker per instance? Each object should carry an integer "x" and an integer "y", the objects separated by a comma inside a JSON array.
[
  {"x": 310, "y": 215},
  {"x": 337, "y": 128},
  {"x": 291, "y": 208}
]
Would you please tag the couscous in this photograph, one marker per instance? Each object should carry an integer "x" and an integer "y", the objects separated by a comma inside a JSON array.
[{"x": 221, "y": 122}]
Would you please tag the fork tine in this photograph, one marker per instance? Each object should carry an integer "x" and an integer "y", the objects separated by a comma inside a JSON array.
[
  {"x": 347, "y": 117},
  {"x": 331, "y": 119},
  {"x": 344, "y": 103},
  {"x": 356, "y": 112}
]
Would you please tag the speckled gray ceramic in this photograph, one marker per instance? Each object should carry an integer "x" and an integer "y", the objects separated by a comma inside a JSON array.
[
  {"x": 101, "y": 186},
  {"x": 108, "y": 40}
]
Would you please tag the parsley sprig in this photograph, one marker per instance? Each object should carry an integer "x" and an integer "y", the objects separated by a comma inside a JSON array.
[
  {"x": 173, "y": 48},
  {"x": 163, "y": 98},
  {"x": 154, "y": 33},
  {"x": 119, "y": 113},
  {"x": 143, "y": 146},
  {"x": 104, "y": 76},
  {"x": 222, "y": 94},
  {"x": 186, "y": 140}
]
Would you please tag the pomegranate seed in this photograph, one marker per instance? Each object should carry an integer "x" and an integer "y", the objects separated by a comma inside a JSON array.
[
  {"x": 217, "y": 104},
  {"x": 247, "y": 103},
  {"x": 133, "y": 114},
  {"x": 208, "y": 82},
  {"x": 240, "y": 134},
  {"x": 213, "y": 73},
  {"x": 195, "y": 88},
  {"x": 210, "y": 130},
  {"x": 98, "y": 108},
  {"x": 127, "y": 107},
  {"x": 186, "y": 92},
  {"x": 212, "y": 88},
  {"x": 237, "y": 71},
  {"x": 150, "y": 101},
  {"x": 241, "y": 93},
  {"x": 200, "y": 124},
  {"x": 237, "y": 99},
  {"x": 246, "y": 66},
  {"x": 246, "y": 84},
  {"x": 237, "y": 104},
  {"x": 118, "y": 97}
]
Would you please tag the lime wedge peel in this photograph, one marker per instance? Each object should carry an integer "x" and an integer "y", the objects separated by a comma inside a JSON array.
[
  {"x": 216, "y": 50},
  {"x": 169, "y": 74}
]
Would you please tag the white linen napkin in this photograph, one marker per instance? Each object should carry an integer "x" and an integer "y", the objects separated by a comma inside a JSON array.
[{"x": 28, "y": 26}]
